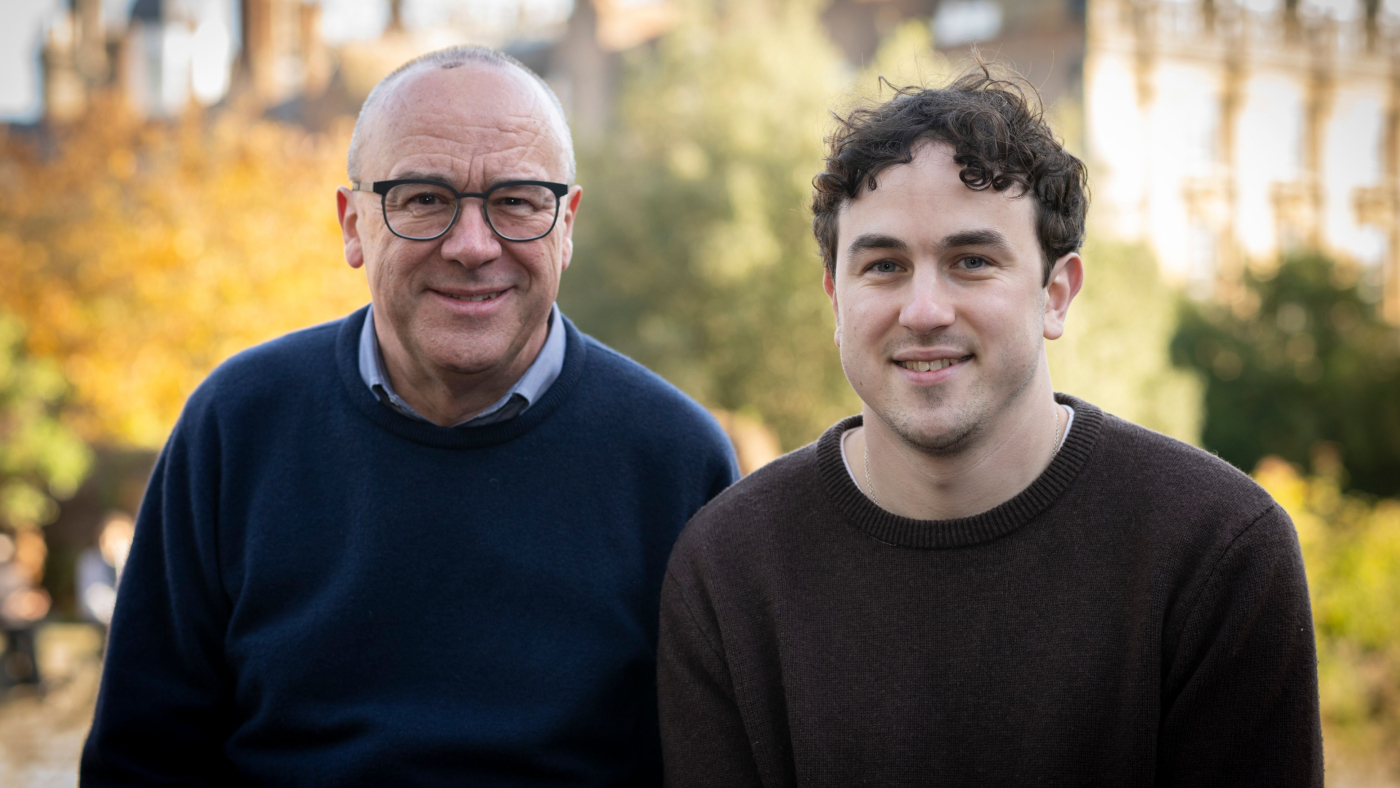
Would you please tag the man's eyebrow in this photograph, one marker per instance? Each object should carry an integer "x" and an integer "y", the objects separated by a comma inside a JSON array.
[
  {"x": 868, "y": 241},
  {"x": 986, "y": 237},
  {"x": 423, "y": 175}
]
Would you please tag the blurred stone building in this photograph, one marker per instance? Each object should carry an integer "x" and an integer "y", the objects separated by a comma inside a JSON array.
[
  {"x": 1220, "y": 132},
  {"x": 1224, "y": 132},
  {"x": 166, "y": 56},
  {"x": 162, "y": 55}
]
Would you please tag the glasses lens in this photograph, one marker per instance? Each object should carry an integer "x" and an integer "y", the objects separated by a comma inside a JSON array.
[
  {"x": 419, "y": 210},
  {"x": 520, "y": 212}
]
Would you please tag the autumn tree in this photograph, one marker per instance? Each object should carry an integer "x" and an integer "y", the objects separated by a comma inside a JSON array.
[{"x": 140, "y": 255}]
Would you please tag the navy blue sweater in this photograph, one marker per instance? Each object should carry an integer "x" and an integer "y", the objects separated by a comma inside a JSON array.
[{"x": 324, "y": 592}]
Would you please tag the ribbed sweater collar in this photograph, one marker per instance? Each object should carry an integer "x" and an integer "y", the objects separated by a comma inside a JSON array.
[
  {"x": 965, "y": 531},
  {"x": 347, "y": 360}
]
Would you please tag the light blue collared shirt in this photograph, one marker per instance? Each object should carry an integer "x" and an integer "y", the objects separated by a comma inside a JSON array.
[{"x": 526, "y": 391}]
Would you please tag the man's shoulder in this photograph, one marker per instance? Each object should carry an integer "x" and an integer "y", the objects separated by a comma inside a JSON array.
[
  {"x": 1167, "y": 474},
  {"x": 629, "y": 378},
  {"x": 272, "y": 370},
  {"x": 645, "y": 399},
  {"x": 750, "y": 513}
]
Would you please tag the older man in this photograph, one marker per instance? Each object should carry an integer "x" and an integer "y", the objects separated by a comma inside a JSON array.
[
  {"x": 422, "y": 544},
  {"x": 976, "y": 581}
]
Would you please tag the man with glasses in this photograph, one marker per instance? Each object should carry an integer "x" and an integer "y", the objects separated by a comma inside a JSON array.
[{"x": 423, "y": 543}]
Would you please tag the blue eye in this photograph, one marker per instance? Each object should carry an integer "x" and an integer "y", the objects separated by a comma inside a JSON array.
[
  {"x": 973, "y": 263},
  {"x": 885, "y": 267}
]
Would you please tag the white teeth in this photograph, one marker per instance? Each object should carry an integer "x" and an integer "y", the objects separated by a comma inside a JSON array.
[
  {"x": 486, "y": 297},
  {"x": 929, "y": 366}
]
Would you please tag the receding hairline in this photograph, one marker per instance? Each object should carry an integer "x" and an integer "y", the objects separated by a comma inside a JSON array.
[{"x": 454, "y": 57}]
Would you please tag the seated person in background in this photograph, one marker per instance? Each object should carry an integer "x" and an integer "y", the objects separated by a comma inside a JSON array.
[
  {"x": 978, "y": 581},
  {"x": 422, "y": 544},
  {"x": 99, "y": 568}
]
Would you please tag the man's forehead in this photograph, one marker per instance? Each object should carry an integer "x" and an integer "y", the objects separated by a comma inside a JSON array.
[
  {"x": 924, "y": 205},
  {"x": 929, "y": 189},
  {"x": 468, "y": 105},
  {"x": 470, "y": 87},
  {"x": 932, "y": 170}
]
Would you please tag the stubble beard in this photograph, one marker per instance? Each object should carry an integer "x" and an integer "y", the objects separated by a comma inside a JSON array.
[
  {"x": 969, "y": 423},
  {"x": 945, "y": 443}
]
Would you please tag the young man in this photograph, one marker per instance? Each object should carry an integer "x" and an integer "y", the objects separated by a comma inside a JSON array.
[{"x": 977, "y": 581}]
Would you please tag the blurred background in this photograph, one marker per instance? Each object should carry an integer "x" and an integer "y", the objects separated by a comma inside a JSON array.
[{"x": 167, "y": 170}]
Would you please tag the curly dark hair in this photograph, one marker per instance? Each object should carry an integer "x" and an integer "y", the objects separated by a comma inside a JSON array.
[{"x": 999, "y": 137}]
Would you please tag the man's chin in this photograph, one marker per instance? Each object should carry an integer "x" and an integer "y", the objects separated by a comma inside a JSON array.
[
  {"x": 937, "y": 436},
  {"x": 472, "y": 357},
  {"x": 468, "y": 346},
  {"x": 472, "y": 366}
]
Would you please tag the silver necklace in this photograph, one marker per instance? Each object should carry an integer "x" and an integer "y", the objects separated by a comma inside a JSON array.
[
  {"x": 1055, "y": 449},
  {"x": 868, "y": 485}
]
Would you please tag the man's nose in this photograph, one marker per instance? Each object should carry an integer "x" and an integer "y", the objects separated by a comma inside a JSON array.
[
  {"x": 471, "y": 242},
  {"x": 929, "y": 304}
]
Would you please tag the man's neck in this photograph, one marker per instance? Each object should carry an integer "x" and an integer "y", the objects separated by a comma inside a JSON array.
[
  {"x": 1002, "y": 462},
  {"x": 447, "y": 397}
]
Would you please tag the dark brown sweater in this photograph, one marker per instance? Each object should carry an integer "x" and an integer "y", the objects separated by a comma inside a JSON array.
[{"x": 1137, "y": 616}]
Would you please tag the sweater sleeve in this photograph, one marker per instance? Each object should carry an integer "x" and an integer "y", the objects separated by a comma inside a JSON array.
[
  {"x": 1240, "y": 702},
  {"x": 164, "y": 708},
  {"x": 703, "y": 739}
]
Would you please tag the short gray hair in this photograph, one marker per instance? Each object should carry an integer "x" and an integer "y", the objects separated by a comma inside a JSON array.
[{"x": 453, "y": 57}]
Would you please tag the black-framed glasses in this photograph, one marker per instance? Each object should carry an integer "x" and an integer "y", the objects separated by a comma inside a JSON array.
[{"x": 423, "y": 210}]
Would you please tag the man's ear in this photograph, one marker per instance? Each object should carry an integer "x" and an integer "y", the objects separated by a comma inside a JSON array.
[
  {"x": 829, "y": 285},
  {"x": 1065, "y": 280},
  {"x": 570, "y": 211},
  {"x": 349, "y": 218}
]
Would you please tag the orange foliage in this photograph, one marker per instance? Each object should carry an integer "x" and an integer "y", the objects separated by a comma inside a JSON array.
[{"x": 140, "y": 255}]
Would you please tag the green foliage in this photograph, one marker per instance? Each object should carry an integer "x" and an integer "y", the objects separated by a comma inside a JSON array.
[
  {"x": 1351, "y": 547},
  {"x": 1303, "y": 358},
  {"x": 694, "y": 252},
  {"x": 1115, "y": 349},
  {"x": 40, "y": 457}
]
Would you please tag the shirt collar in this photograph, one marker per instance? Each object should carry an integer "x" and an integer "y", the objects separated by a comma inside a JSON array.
[{"x": 526, "y": 391}]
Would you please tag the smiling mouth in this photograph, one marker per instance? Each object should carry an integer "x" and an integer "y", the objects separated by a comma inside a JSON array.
[
  {"x": 476, "y": 298},
  {"x": 931, "y": 366}
]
